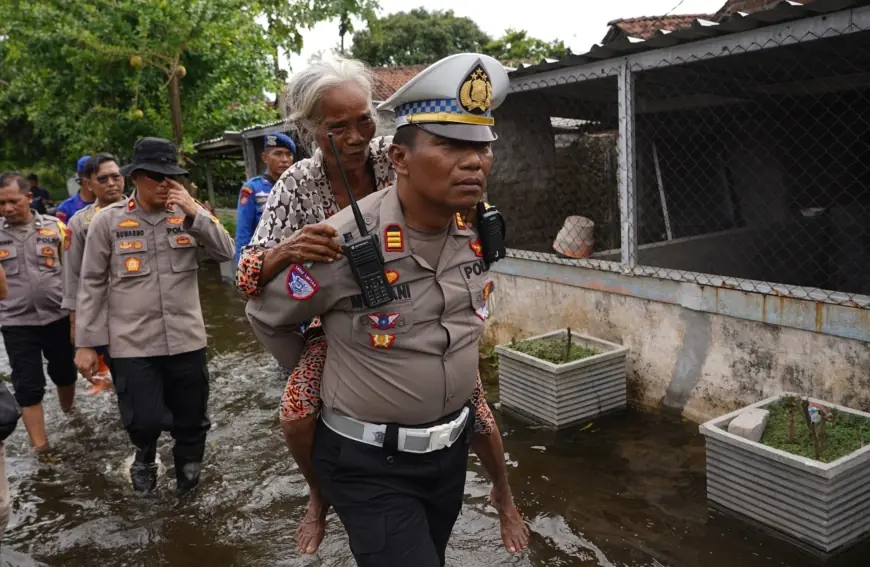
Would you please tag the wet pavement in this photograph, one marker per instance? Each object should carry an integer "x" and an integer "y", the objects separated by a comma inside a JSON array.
[{"x": 626, "y": 491}]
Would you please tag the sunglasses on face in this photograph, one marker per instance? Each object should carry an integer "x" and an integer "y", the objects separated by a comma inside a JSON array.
[
  {"x": 103, "y": 179},
  {"x": 158, "y": 177}
]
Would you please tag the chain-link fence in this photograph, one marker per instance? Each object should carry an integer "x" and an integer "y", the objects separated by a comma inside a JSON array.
[{"x": 748, "y": 168}]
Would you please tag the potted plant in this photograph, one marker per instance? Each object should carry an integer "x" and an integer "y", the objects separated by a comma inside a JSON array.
[
  {"x": 560, "y": 378},
  {"x": 808, "y": 476}
]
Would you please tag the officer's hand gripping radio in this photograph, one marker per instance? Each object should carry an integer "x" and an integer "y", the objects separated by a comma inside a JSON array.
[
  {"x": 492, "y": 229},
  {"x": 364, "y": 253}
]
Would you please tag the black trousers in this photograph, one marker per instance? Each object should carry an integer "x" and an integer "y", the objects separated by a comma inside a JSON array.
[
  {"x": 165, "y": 393},
  {"x": 25, "y": 346},
  {"x": 398, "y": 508}
]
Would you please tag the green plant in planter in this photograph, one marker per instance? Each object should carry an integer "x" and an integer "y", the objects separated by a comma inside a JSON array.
[{"x": 553, "y": 349}]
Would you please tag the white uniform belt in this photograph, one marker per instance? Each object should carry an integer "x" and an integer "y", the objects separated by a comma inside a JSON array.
[{"x": 411, "y": 439}]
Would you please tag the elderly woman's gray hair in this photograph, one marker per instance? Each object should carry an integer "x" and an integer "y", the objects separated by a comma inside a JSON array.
[{"x": 306, "y": 87}]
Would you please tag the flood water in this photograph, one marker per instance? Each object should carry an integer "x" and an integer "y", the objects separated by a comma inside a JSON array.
[{"x": 627, "y": 491}]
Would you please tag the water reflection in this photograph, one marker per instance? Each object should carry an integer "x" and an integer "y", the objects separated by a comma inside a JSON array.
[{"x": 629, "y": 491}]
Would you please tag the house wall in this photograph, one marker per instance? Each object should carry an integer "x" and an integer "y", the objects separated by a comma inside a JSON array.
[{"x": 698, "y": 363}]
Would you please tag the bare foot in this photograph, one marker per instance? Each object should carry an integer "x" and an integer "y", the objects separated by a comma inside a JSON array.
[
  {"x": 514, "y": 532},
  {"x": 312, "y": 528}
]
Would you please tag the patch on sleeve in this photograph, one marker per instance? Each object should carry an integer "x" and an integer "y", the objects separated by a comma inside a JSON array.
[
  {"x": 245, "y": 195},
  {"x": 394, "y": 238},
  {"x": 383, "y": 321},
  {"x": 301, "y": 285},
  {"x": 61, "y": 215},
  {"x": 382, "y": 341},
  {"x": 477, "y": 247}
]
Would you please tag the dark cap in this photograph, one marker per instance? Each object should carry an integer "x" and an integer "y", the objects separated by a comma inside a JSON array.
[{"x": 156, "y": 155}]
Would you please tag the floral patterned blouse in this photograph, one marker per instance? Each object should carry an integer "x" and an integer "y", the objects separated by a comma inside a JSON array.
[{"x": 303, "y": 196}]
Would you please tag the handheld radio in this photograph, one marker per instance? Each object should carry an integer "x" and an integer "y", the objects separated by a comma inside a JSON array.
[
  {"x": 491, "y": 228},
  {"x": 364, "y": 253}
]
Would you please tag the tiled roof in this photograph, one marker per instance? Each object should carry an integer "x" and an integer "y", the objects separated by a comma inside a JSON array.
[
  {"x": 390, "y": 79},
  {"x": 750, "y": 6},
  {"x": 645, "y": 27}
]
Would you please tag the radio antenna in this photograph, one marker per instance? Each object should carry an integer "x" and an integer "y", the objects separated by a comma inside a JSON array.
[{"x": 357, "y": 215}]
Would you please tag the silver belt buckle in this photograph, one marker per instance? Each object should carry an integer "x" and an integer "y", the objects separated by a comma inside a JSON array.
[{"x": 439, "y": 436}]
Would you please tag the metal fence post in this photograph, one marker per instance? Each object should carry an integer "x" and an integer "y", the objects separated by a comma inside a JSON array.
[{"x": 627, "y": 167}]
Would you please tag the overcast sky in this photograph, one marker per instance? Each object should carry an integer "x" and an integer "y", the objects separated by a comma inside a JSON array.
[{"x": 545, "y": 19}]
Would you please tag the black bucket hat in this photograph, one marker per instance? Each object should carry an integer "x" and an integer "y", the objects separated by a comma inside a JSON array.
[{"x": 156, "y": 155}]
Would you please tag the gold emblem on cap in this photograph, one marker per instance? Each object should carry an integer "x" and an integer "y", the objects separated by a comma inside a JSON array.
[{"x": 475, "y": 95}]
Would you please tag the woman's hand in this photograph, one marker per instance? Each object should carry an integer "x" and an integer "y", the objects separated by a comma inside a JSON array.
[{"x": 313, "y": 243}]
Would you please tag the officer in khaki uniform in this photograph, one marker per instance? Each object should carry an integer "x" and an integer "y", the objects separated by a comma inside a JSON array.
[
  {"x": 138, "y": 294},
  {"x": 391, "y": 447},
  {"x": 106, "y": 182},
  {"x": 33, "y": 321}
]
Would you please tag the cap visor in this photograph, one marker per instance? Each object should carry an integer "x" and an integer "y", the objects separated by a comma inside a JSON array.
[
  {"x": 167, "y": 169},
  {"x": 464, "y": 132}
]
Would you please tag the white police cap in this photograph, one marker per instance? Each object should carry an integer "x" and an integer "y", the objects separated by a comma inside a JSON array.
[{"x": 453, "y": 98}]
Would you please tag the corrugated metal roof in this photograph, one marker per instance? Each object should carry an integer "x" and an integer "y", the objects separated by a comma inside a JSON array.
[{"x": 699, "y": 29}]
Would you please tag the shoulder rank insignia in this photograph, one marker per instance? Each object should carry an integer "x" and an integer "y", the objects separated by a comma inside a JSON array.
[
  {"x": 383, "y": 321},
  {"x": 129, "y": 223},
  {"x": 392, "y": 276},
  {"x": 477, "y": 247},
  {"x": 382, "y": 341},
  {"x": 244, "y": 195},
  {"x": 301, "y": 285},
  {"x": 394, "y": 238},
  {"x": 132, "y": 264},
  {"x": 131, "y": 205},
  {"x": 475, "y": 94}
]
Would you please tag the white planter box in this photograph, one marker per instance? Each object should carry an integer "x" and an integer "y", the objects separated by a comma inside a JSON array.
[
  {"x": 559, "y": 395},
  {"x": 823, "y": 505}
]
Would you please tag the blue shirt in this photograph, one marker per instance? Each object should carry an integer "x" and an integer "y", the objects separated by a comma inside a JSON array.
[
  {"x": 71, "y": 206},
  {"x": 252, "y": 200}
]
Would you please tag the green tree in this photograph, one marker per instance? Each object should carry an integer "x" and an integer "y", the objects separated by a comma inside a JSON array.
[
  {"x": 416, "y": 37},
  {"x": 515, "y": 46}
]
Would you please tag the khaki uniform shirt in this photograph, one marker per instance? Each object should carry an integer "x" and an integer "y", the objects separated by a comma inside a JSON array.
[
  {"x": 411, "y": 361},
  {"x": 31, "y": 255},
  {"x": 72, "y": 262},
  {"x": 138, "y": 289}
]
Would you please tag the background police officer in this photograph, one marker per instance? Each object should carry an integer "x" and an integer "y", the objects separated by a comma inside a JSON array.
[
  {"x": 138, "y": 294},
  {"x": 104, "y": 179},
  {"x": 278, "y": 154},
  {"x": 34, "y": 323},
  {"x": 83, "y": 197},
  {"x": 391, "y": 449}
]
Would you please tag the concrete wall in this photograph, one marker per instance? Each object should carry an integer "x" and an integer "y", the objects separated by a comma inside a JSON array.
[{"x": 699, "y": 363}]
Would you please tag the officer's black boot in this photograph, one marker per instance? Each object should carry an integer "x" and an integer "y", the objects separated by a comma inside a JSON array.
[
  {"x": 188, "y": 465},
  {"x": 143, "y": 471}
]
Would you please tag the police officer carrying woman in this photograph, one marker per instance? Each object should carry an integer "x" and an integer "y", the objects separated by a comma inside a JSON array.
[
  {"x": 138, "y": 294},
  {"x": 400, "y": 387}
]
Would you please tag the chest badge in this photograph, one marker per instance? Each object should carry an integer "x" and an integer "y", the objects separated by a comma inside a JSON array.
[
  {"x": 49, "y": 262},
  {"x": 483, "y": 311},
  {"x": 4, "y": 253},
  {"x": 129, "y": 223},
  {"x": 477, "y": 247},
  {"x": 394, "y": 238},
  {"x": 175, "y": 220},
  {"x": 383, "y": 321},
  {"x": 382, "y": 341},
  {"x": 301, "y": 285},
  {"x": 392, "y": 276},
  {"x": 182, "y": 240},
  {"x": 47, "y": 232},
  {"x": 133, "y": 264},
  {"x": 47, "y": 251}
]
